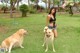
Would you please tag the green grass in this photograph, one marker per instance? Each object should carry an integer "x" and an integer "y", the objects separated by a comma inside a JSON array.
[{"x": 68, "y": 40}]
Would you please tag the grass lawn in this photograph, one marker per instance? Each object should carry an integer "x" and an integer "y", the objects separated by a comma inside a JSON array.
[{"x": 68, "y": 40}]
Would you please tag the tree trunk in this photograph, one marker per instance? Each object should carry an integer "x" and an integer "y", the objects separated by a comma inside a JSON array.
[
  {"x": 49, "y": 4},
  {"x": 37, "y": 4},
  {"x": 46, "y": 5},
  {"x": 58, "y": 5},
  {"x": 4, "y": 10},
  {"x": 6, "y": 4},
  {"x": 28, "y": 2},
  {"x": 24, "y": 14},
  {"x": 53, "y": 2},
  {"x": 70, "y": 12},
  {"x": 11, "y": 7},
  {"x": 17, "y": 4}
]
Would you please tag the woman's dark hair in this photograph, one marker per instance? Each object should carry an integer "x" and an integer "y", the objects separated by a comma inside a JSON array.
[{"x": 54, "y": 13}]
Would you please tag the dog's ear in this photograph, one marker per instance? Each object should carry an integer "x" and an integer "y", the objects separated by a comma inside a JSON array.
[
  {"x": 45, "y": 29},
  {"x": 22, "y": 32}
]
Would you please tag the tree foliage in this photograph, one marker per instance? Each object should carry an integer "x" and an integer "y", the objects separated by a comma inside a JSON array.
[{"x": 24, "y": 10}]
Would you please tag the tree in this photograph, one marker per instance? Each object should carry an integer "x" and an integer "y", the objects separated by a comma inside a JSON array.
[
  {"x": 4, "y": 8},
  {"x": 6, "y": 1},
  {"x": 70, "y": 9},
  {"x": 49, "y": 2},
  {"x": 24, "y": 9},
  {"x": 57, "y": 2},
  {"x": 28, "y": 2},
  {"x": 68, "y": 6},
  {"x": 18, "y": 4},
  {"x": 32, "y": 0},
  {"x": 36, "y": 1},
  {"x": 12, "y": 6},
  {"x": 46, "y": 5},
  {"x": 53, "y": 2}
]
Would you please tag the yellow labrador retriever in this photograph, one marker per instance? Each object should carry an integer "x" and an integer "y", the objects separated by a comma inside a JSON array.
[
  {"x": 49, "y": 37},
  {"x": 14, "y": 40}
]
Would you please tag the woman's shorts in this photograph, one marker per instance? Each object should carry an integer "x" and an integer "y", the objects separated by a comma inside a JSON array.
[{"x": 52, "y": 27}]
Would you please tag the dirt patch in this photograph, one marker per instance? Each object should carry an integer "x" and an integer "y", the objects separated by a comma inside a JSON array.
[{"x": 15, "y": 15}]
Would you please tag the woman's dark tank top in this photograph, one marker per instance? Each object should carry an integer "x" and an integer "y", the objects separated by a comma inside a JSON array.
[{"x": 52, "y": 20}]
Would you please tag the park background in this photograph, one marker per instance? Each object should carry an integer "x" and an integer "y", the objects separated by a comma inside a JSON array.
[{"x": 31, "y": 15}]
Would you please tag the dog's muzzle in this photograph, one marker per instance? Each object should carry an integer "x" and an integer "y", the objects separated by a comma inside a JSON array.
[{"x": 48, "y": 36}]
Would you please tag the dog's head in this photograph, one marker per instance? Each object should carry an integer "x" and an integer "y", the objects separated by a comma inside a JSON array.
[
  {"x": 45, "y": 29},
  {"x": 49, "y": 32},
  {"x": 22, "y": 32}
]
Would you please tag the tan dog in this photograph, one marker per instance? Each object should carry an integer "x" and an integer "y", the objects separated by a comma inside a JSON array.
[
  {"x": 49, "y": 37},
  {"x": 14, "y": 40}
]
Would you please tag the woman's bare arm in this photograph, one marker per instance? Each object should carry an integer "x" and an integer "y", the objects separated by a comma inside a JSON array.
[{"x": 47, "y": 20}]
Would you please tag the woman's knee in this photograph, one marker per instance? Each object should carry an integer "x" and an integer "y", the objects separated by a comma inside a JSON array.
[{"x": 55, "y": 35}]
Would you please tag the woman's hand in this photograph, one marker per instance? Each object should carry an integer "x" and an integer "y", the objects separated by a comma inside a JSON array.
[
  {"x": 51, "y": 24},
  {"x": 55, "y": 24}
]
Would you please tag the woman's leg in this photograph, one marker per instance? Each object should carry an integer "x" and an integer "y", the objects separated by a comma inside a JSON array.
[{"x": 55, "y": 33}]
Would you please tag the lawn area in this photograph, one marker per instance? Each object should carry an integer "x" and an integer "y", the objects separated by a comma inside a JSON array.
[{"x": 68, "y": 40}]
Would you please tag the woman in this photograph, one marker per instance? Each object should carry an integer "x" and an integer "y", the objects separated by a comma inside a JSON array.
[{"x": 51, "y": 20}]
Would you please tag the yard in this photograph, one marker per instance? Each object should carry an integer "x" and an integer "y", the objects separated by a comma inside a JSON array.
[{"x": 68, "y": 40}]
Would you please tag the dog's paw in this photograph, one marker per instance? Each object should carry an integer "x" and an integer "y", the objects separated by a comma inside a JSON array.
[
  {"x": 9, "y": 52},
  {"x": 46, "y": 50},
  {"x": 54, "y": 50},
  {"x": 43, "y": 45},
  {"x": 6, "y": 49},
  {"x": 21, "y": 46}
]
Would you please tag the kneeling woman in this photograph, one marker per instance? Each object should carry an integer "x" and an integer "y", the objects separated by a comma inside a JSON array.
[{"x": 51, "y": 21}]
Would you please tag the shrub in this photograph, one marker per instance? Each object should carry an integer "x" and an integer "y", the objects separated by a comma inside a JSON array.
[
  {"x": 32, "y": 10},
  {"x": 24, "y": 9}
]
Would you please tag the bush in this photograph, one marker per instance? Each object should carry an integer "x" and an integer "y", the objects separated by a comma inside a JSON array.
[
  {"x": 24, "y": 9},
  {"x": 32, "y": 10},
  {"x": 39, "y": 8},
  {"x": 42, "y": 7},
  {"x": 61, "y": 9},
  {"x": 69, "y": 9}
]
